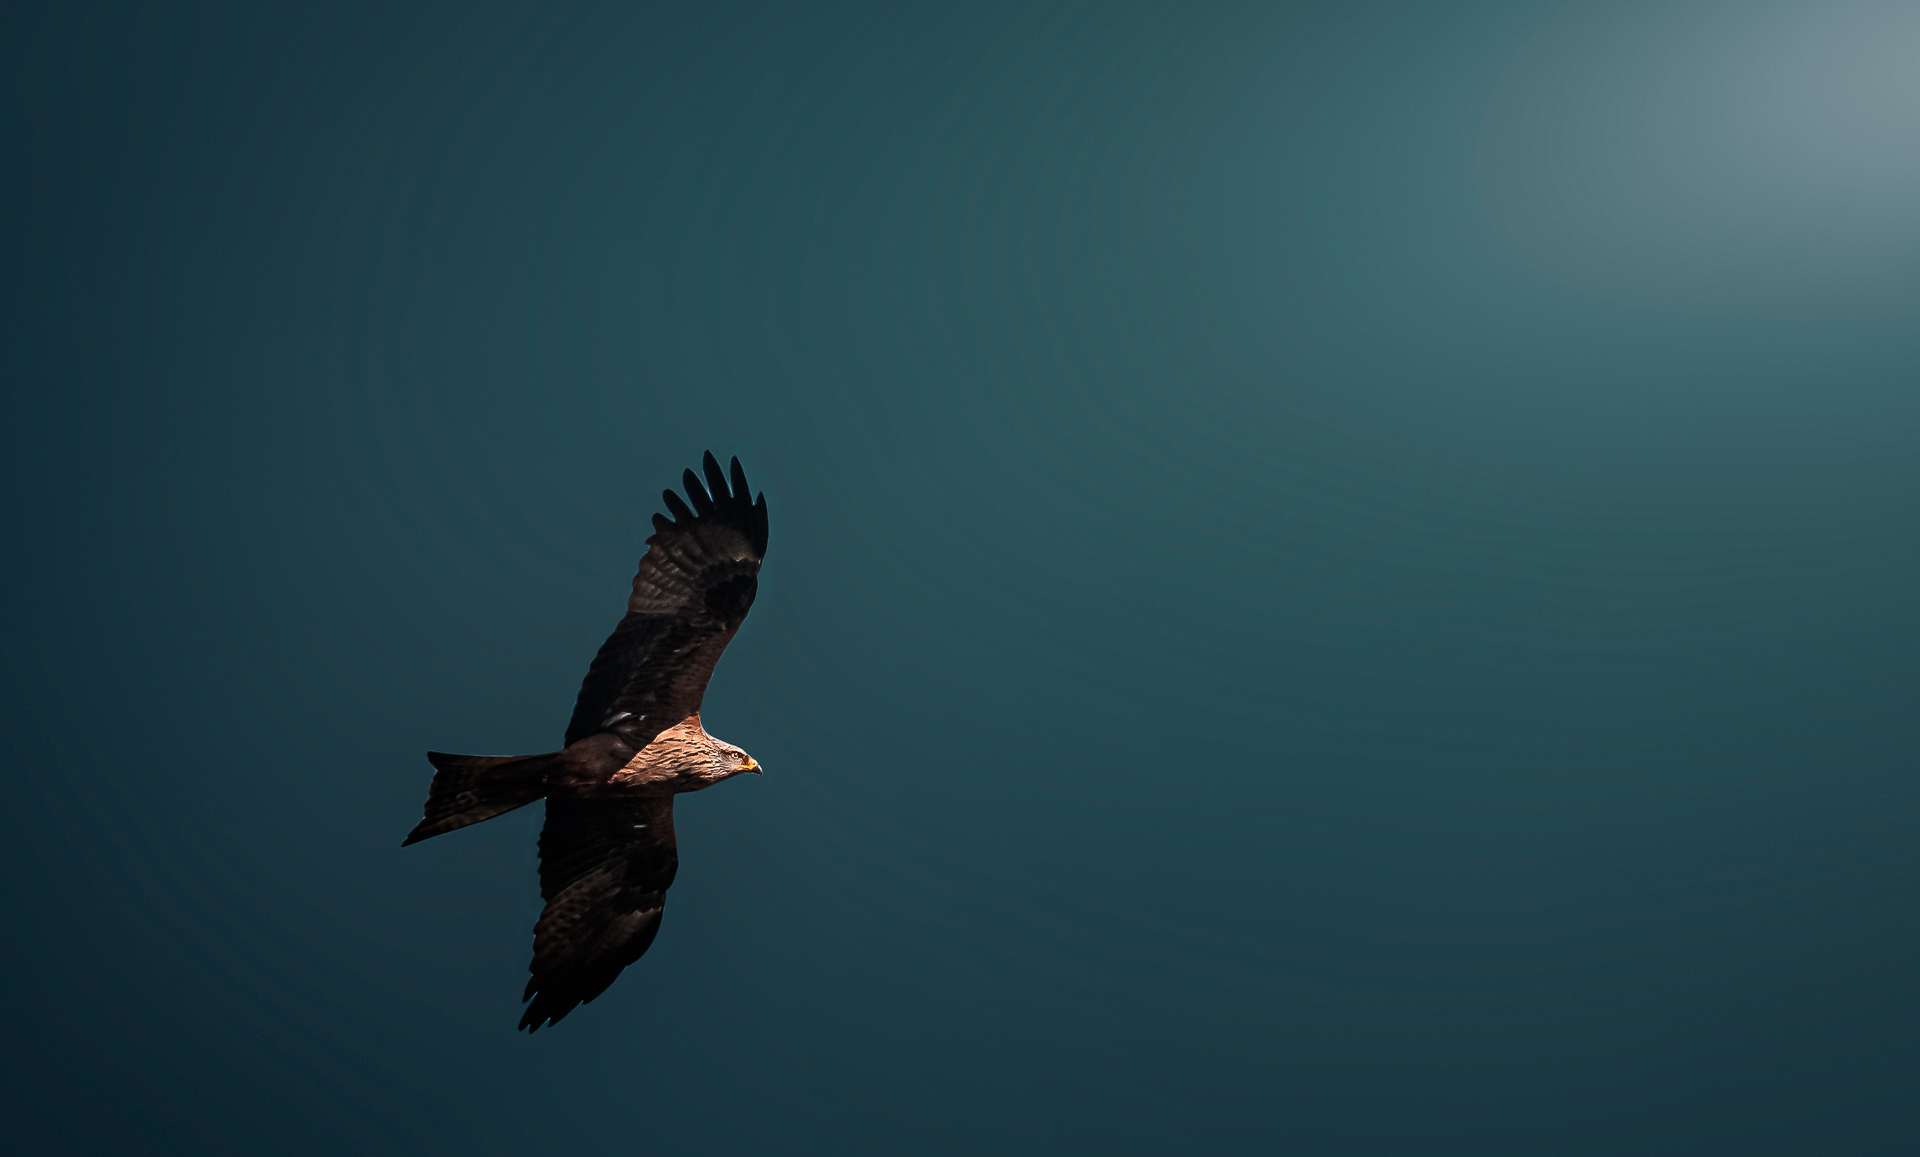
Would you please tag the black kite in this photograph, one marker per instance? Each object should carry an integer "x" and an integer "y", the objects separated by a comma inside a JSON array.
[{"x": 635, "y": 741}]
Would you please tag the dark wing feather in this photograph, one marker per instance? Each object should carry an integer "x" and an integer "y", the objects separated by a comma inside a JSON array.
[
  {"x": 605, "y": 867},
  {"x": 694, "y": 586}
]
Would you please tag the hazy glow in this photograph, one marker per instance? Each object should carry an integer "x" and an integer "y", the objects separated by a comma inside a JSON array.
[{"x": 1749, "y": 144}]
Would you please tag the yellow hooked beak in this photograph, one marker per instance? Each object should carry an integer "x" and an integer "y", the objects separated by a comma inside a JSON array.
[{"x": 752, "y": 765}]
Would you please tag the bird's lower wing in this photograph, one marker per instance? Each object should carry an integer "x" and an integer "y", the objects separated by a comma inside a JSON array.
[{"x": 605, "y": 867}]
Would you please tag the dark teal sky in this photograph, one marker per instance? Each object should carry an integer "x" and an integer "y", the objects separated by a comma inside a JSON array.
[{"x": 1342, "y": 576}]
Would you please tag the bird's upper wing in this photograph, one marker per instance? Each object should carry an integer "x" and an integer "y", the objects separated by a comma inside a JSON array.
[
  {"x": 695, "y": 584},
  {"x": 605, "y": 866}
]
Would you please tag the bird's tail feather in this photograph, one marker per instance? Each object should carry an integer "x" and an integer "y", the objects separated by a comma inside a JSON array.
[{"x": 469, "y": 788}]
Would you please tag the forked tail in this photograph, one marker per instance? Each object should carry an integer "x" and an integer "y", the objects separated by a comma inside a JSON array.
[{"x": 469, "y": 788}]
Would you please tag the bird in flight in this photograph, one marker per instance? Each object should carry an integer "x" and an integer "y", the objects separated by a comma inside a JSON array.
[{"x": 635, "y": 741}]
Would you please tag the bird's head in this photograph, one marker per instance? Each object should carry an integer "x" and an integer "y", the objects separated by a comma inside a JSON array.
[{"x": 729, "y": 761}]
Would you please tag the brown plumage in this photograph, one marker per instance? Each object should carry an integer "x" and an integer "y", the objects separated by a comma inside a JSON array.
[{"x": 607, "y": 853}]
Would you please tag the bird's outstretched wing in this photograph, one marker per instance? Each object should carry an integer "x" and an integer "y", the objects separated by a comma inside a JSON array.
[
  {"x": 605, "y": 866},
  {"x": 695, "y": 585}
]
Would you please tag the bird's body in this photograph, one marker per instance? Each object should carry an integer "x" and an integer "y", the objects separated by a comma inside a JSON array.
[
  {"x": 607, "y": 852},
  {"x": 682, "y": 758}
]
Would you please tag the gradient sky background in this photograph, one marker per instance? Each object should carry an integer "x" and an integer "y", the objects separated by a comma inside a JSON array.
[{"x": 1342, "y": 576}]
